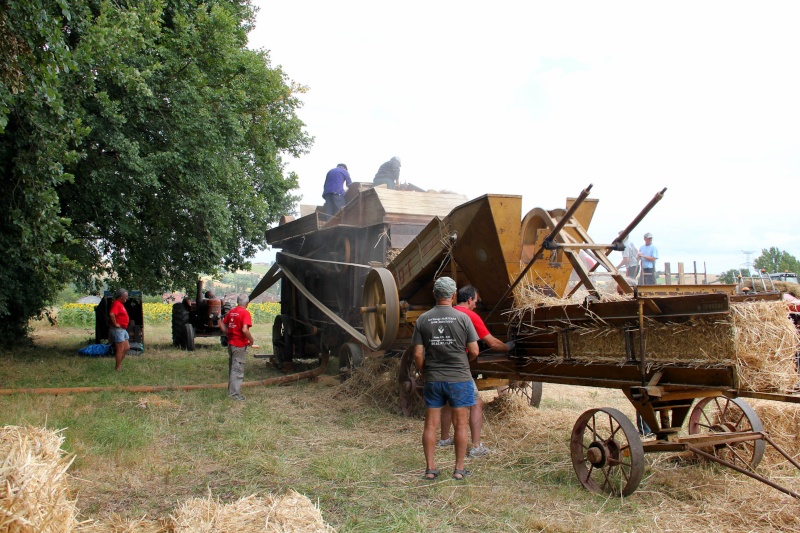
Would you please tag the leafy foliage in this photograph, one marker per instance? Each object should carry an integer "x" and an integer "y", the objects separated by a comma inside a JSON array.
[
  {"x": 773, "y": 260},
  {"x": 142, "y": 144},
  {"x": 732, "y": 275}
]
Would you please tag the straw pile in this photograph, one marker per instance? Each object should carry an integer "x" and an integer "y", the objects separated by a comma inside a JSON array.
[
  {"x": 291, "y": 513},
  {"x": 33, "y": 486},
  {"x": 374, "y": 382},
  {"x": 757, "y": 338}
]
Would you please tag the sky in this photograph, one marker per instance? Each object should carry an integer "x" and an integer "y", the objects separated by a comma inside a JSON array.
[{"x": 542, "y": 99}]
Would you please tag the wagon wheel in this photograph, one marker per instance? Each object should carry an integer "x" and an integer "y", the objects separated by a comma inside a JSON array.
[
  {"x": 729, "y": 415},
  {"x": 380, "y": 310},
  {"x": 282, "y": 349},
  {"x": 351, "y": 356},
  {"x": 410, "y": 385},
  {"x": 607, "y": 453},
  {"x": 530, "y": 391}
]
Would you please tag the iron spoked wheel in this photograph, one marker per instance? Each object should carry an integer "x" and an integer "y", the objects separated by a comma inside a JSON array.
[
  {"x": 381, "y": 309},
  {"x": 607, "y": 453},
  {"x": 530, "y": 391},
  {"x": 729, "y": 415},
  {"x": 190, "y": 337},
  {"x": 351, "y": 356},
  {"x": 410, "y": 384}
]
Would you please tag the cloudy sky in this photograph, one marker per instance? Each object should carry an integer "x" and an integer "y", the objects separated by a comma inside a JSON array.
[{"x": 542, "y": 99}]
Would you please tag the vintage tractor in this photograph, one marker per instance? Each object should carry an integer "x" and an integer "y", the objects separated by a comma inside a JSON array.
[{"x": 197, "y": 318}]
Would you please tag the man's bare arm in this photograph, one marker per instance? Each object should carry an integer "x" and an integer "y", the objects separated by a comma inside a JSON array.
[
  {"x": 472, "y": 350},
  {"x": 419, "y": 356}
]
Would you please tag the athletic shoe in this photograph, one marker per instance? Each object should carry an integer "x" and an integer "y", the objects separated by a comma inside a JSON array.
[
  {"x": 445, "y": 442},
  {"x": 479, "y": 451}
]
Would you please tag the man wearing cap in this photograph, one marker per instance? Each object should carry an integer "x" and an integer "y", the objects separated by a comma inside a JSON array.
[
  {"x": 648, "y": 255},
  {"x": 444, "y": 342},
  {"x": 388, "y": 174},
  {"x": 333, "y": 192}
]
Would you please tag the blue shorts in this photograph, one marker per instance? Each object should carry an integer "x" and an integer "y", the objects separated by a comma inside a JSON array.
[
  {"x": 119, "y": 335},
  {"x": 439, "y": 393}
]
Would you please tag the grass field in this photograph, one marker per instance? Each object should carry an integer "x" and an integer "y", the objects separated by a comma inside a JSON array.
[{"x": 140, "y": 455}]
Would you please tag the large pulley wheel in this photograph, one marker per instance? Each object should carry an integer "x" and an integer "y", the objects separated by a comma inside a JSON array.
[
  {"x": 607, "y": 453},
  {"x": 410, "y": 384},
  {"x": 720, "y": 415},
  {"x": 351, "y": 356},
  {"x": 282, "y": 349},
  {"x": 380, "y": 309},
  {"x": 530, "y": 391}
]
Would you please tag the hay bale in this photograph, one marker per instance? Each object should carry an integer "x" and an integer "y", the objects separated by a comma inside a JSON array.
[
  {"x": 782, "y": 422},
  {"x": 34, "y": 496},
  {"x": 291, "y": 513},
  {"x": 757, "y": 338}
]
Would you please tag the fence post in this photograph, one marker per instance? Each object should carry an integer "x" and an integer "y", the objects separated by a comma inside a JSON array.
[{"x": 667, "y": 274}]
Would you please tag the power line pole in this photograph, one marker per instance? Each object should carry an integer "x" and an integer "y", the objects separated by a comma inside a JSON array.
[{"x": 748, "y": 263}]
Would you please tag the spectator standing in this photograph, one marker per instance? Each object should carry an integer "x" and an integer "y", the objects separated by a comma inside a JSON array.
[
  {"x": 467, "y": 300},
  {"x": 630, "y": 260},
  {"x": 388, "y": 174},
  {"x": 648, "y": 255},
  {"x": 333, "y": 192},
  {"x": 118, "y": 317},
  {"x": 444, "y": 341},
  {"x": 236, "y": 326}
]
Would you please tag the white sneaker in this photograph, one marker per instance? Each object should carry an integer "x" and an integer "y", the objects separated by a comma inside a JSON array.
[
  {"x": 445, "y": 442},
  {"x": 479, "y": 451}
]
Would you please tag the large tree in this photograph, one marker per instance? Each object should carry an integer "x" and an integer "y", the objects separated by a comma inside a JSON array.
[
  {"x": 773, "y": 260},
  {"x": 154, "y": 152}
]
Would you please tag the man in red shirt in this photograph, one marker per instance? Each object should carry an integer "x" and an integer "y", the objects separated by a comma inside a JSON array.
[
  {"x": 118, "y": 318},
  {"x": 468, "y": 299},
  {"x": 236, "y": 325}
]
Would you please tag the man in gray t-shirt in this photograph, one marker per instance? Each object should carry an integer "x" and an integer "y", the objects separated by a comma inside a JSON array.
[{"x": 444, "y": 342}]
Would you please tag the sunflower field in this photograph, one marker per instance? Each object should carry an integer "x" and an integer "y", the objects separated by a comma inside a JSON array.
[{"x": 82, "y": 315}]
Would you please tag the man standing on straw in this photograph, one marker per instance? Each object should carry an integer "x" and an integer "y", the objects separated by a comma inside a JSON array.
[
  {"x": 649, "y": 255},
  {"x": 467, "y": 300},
  {"x": 236, "y": 325},
  {"x": 444, "y": 342}
]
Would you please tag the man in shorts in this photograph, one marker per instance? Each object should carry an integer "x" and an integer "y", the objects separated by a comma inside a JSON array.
[
  {"x": 444, "y": 342},
  {"x": 467, "y": 300},
  {"x": 119, "y": 320}
]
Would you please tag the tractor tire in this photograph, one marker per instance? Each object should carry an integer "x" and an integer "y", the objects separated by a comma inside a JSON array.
[
  {"x": 180, "y": 317},
  {"x": 190, "y": 337}
]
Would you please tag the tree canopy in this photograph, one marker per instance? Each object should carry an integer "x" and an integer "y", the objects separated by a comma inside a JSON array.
[
  {"x": 141, "y": 143},
  {"x": 773, "y": 260}
]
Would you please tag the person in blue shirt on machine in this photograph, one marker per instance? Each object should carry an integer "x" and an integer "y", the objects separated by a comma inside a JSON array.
[
  {"x": 648, "y": 255},
  {"x": 333, "y": 192}
]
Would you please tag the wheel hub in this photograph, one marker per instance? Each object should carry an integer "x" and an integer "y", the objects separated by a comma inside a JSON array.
[{"x": 596, "y": 455}]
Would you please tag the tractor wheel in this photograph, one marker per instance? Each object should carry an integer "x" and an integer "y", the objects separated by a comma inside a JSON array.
[
  {"x": 190, "y": 337},
  {"x": 180, "y": 317}
]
